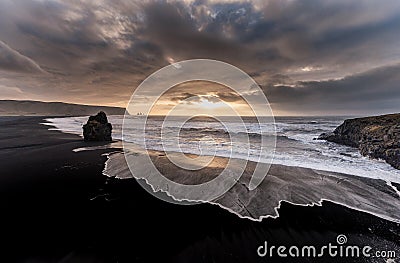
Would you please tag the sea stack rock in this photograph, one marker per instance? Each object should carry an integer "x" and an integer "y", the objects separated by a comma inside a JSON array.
[
  {"x": 377, "y": 137},
  {"x": 97, "y": 128}
]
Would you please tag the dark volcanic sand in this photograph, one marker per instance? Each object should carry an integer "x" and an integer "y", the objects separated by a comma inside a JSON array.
[{"x": 49, "y": 213}]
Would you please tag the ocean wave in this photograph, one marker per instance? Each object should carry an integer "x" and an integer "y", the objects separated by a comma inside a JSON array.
[{"x": 295, "y": 145}]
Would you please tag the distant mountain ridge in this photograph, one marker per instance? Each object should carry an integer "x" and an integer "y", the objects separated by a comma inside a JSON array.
[{"x": 39, "y": 108}]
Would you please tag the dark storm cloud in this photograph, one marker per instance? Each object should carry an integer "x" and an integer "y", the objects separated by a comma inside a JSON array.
[
  {"x": 71, "y": 36},
  {"x": 280, "y": 35},
  {"x": 99, "y": 51},
  {"x": 377, "y": 90}
]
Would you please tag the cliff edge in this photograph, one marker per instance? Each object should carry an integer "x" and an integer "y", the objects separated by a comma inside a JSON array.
[{"x": 377, "y": 137}]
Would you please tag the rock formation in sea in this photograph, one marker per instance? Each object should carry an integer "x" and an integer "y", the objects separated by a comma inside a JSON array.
[
  {"x": 377, "y": 137},
  {"x": 97, "y": 128}
]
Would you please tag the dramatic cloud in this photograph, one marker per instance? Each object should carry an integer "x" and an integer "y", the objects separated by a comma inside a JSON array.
[
  {"x": 13, "y": 61},
  {"x": 300, "y": 51}
]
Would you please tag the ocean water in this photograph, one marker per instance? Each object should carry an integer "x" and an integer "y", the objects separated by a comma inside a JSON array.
[{"x": 295, "y": 141}]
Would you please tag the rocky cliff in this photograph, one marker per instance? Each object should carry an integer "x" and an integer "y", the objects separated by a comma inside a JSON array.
[{"x": 377, "y": 137}]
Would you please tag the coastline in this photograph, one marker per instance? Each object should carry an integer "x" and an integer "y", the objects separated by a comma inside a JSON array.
[{"x": 49, "y": 215}]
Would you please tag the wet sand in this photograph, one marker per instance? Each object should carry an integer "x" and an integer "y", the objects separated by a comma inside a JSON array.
[{"x": 296, "y": 185}]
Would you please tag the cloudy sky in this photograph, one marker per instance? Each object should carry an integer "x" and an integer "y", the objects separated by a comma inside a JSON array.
[{"x": 309, "y": 57}]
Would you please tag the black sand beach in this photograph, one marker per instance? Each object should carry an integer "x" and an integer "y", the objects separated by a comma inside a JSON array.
[{"x": 56, "y": 206}]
